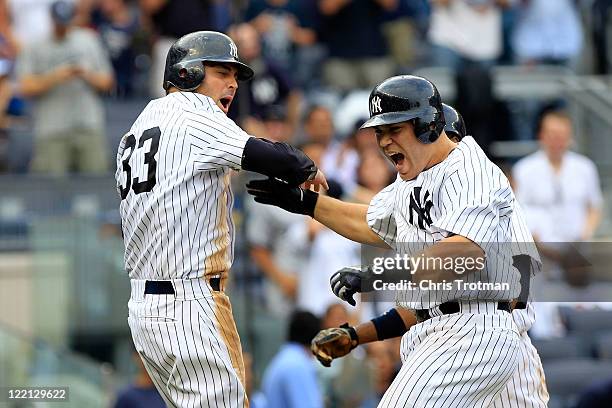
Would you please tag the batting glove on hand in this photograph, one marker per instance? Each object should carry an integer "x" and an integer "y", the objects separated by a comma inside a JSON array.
[
  {"x": 293, "y": 199},
  {"x": 350, "y": 280},
  {"x": 333, "y": 343}
]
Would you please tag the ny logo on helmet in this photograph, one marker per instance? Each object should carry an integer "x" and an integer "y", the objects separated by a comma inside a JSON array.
[
  {"x": 375, "y": 105},
  {"x": 233, "y": 50}
]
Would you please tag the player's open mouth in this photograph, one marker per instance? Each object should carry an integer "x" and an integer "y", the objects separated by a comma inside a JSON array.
[
  {"x": 397, "y": 158},
  {"x": 225, "y": 102}
]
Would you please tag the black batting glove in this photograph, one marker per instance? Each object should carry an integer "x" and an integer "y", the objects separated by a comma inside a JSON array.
[
  {"x": 292, "y": 199},
  {"x": 350, "y": 280}
]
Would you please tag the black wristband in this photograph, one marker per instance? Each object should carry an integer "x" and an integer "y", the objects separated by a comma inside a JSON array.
[
  {"x": 309, "y": 200},
  {"x": 352, "y": 333},
  {"x": 389, "y": 325}
]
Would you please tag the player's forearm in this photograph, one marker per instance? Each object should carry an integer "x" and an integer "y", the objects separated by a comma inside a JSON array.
[
  {"x": 391, "y": 324},
  {"x": 459, "y": 250},
  {"x": 277, "y": 160},
  {"x": 366, "y": 333},
  {"x": 347, "y": 219}
]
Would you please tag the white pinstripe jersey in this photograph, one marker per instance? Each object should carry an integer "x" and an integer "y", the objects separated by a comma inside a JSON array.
[
  {"x": 465, "y": 194},
  {"x": 173, "y": 175}
]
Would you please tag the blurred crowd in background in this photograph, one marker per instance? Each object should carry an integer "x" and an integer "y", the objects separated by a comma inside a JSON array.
[
  {"x": 74, "y": 75},
  {"x": 303, "y": 52}
]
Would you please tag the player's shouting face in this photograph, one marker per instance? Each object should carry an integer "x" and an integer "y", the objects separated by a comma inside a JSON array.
[
  {"x": 399, "y": 144},
  {"x": 220, "y": 83}
]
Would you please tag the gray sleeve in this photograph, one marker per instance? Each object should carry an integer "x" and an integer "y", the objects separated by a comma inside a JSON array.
[
  {"x": 25, "y": 63},
  {"x": 259, "y": 226},
  {"x": 99, "y": 55}
]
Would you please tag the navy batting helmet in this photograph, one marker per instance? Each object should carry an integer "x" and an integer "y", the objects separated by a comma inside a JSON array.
[
  {"x": 454, "y": 122},
  {"x": 184, "y": 68},
  {"x": 408, "y": 98}
]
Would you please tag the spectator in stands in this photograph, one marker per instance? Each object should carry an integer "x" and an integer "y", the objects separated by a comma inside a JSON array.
[
  {"x": 352, "y": 32},
  {"x": 278, "y": 241},
  {"x": 26, "y": 21},
  {"x": 373, "y": 174},
  {"x": 547, "y": 32},
  {"x": 363, "y": 139},
  {"x": 6, "y": 93},
  {"x": 405, "y": 30},
  {"x": 118, "y": 25},
  {"x": 600, "y": 23},
  {"x": 561, "y": 197},
  {"x": 466, "y": 32},
  {"x": 329, "y": 252},
  {"x": 340, "y": 160},
  {"x": 269, "y": 86},
  {"x": 141, "y": 393},
  {"x": 170, "y": 20},
  {"x": 284, "y": 26},
  {"x": 290, "y": 381},
  {"x": 8, "y": 42},
  {"x": 65, "y": 75},
  {"x": 559, "y": 189}
]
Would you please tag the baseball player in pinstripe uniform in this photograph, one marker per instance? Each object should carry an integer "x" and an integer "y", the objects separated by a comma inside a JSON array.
[
  {"x": 527, "y": 388},
  {"x": 173, "y": 176},
  {"x": 449, "y": 200}
]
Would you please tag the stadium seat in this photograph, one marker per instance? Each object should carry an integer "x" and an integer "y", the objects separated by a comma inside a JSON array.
[
  {"x": 586, "y": 321},
  {"x": 560, "y": 348},
  {"x": 557, "y": 402},
  {"x": 568, "y": 377},
  {"x": 603, "y": 346}
]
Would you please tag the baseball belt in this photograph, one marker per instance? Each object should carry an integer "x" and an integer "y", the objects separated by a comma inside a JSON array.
[
  {"x": 164, "y": 287},
  {"x": 454, "y": 307}
]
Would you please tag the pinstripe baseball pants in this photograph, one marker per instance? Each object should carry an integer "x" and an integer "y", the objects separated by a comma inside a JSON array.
[
  {"x": 189, "y": 344},
  {"x": 458, "y": 360},
  {"x": 527, "y": 387}
]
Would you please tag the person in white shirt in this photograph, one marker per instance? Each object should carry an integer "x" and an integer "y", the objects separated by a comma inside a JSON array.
[
  {"x": 560, "y": 193},
  {"x": 558, "y": 188},
  {"x": 461, "y": 30}
]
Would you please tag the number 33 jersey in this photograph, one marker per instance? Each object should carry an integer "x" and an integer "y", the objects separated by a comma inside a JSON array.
[{"x": 173, "y": 177}]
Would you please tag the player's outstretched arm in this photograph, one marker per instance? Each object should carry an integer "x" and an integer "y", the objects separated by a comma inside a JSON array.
[
  {"x": 347, "y": 219},
  {"x": 280, "y": 161}
]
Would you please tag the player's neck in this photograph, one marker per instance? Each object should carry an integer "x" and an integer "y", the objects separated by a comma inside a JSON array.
[{"x": 443, "y": 148}]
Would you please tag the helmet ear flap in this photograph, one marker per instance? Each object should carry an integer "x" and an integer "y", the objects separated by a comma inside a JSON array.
[
  {"x": 189, "y": 75},
  {"x": 428, "y": 129}
]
